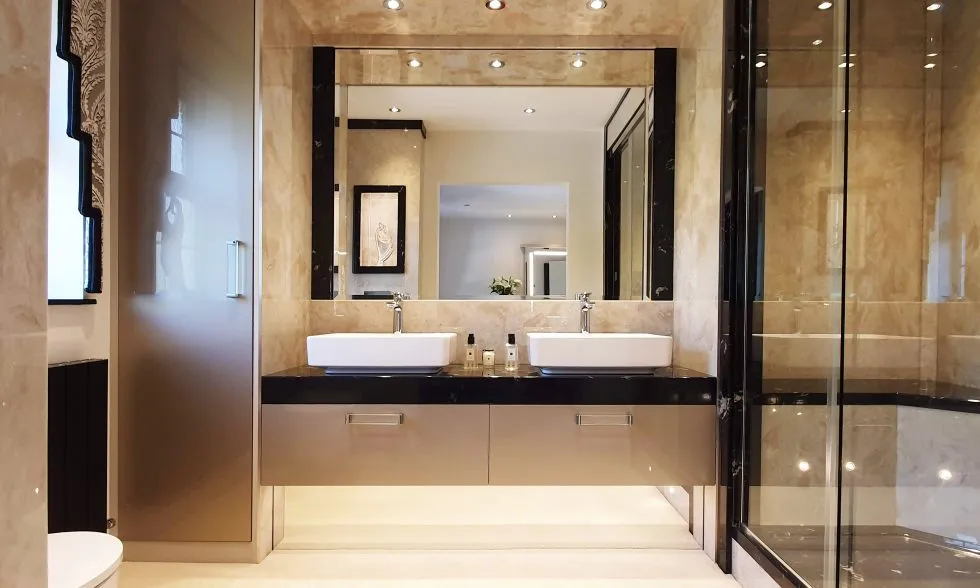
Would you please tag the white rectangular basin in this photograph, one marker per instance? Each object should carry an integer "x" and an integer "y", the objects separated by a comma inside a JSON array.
[
  {"x": 381, "y": 352},
  {"x": 555, "y": 353}
]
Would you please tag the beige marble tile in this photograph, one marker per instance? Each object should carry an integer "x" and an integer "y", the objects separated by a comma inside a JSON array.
[
  {"x": 698, "y": 181},
  {"x": 490, "y": 321},
  {"x": 24, "y": 70},
  {"x": 287, "y": 111},
  {"x": 469, "y": 68},
  {"x": 526, "y": 18},
  {"x": 383, "y": 158}
]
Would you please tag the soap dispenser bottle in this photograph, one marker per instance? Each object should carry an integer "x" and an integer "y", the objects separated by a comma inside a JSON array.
[
  {"x": 470, "y": 363},
  {"x": 510, "y": 364}
]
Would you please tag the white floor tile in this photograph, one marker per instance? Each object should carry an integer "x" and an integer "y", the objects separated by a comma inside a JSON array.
[{"x": 418, "y": 569}]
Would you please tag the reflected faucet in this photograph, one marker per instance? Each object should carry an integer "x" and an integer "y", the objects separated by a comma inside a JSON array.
[
  {"x": 396, "y": 305},
  {"x": 587, "y": 306}
]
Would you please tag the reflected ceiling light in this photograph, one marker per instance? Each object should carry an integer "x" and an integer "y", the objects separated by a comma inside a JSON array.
[
  {"x": 803, "y": 465},
  {"x": 509, "y": 215},
  {"x": 846, "y": 64},
  {"x": 945, "y": 475},
  {"x": 932, "y": 55},
  {"x": 393, "y": 4},
  {"x": 529, "y": 110},
  {"x": 762, "y": 55},
  {"x": 495, "y": 4},
  {"x": 825, "y": 5},
  {"x": 929, "y": 65},
  {"x": 934, "y": 6},
  {"x": 817, "y": 42},
  {"x": 850, "y": 466},
  {"x": 579, "y": 61},
  {"x": 497, "y": 63},
  {"x": 554, "y": 216},
  {"x": 596, "y": 4},
  {"x": 760, "y": 63},
  {"x": 414, "y": 62},
  {"x": 394, "y": 109}
]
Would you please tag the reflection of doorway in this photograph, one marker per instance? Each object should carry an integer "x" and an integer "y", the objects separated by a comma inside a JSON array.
[
  {"x": 545, "y": 271},
  {"x": 484, "y": 229},
  {"x": 625, "y": 210}
]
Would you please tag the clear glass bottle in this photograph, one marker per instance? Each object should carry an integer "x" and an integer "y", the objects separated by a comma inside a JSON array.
[
  {"x": 511, "y": 363},
  {"x": 471, "y": 363}
]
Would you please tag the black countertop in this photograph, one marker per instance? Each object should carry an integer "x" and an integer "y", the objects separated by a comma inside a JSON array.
[{"x": 454, "y": 385}]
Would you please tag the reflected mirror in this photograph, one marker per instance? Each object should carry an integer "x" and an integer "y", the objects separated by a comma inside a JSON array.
[{"x": 510, "y": 190}]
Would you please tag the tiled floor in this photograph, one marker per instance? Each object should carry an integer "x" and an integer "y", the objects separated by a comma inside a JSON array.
[
  {"x": 443, "y": 569},
  {"x": 428, "y": 537},
  {"x": 482, "y": 517}
]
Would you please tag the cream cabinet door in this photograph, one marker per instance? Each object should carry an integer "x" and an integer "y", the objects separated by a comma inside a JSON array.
[
  {"x": 563, "y": 445},
  {"x": 374, "y": 445}
]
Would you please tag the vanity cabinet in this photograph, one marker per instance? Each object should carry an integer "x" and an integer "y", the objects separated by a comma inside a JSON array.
[
  {"x": 374, "y": 445},
  {"x": 564, "y": 445}
]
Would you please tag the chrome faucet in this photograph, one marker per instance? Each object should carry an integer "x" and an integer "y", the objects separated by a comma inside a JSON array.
[
  {"x": 396, "y": 305},
  {"x": 587, "y": 306}
]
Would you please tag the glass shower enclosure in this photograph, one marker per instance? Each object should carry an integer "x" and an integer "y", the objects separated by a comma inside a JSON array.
[{"x": 856, "y": 197}]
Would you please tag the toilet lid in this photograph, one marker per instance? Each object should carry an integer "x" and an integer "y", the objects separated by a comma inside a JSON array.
[{"x": 82, "y": 560}]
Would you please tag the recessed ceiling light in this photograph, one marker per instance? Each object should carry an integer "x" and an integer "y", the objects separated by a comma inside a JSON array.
[
  {"x": 932, "y": 55},
  {"x": 394, "y": 4},
  {"x": 554, "y": 216},
  {"x": 760, "y": 63},
  {"x": 497, "y": 63},
  {"x": 495, "y": 4},
  {"x": 945, "y": 475},
  {"x": 934, "y": 7},
  {"x": 850, "y": 466},
  {"x": 579, "y": 61},
  {"x": 825, "y": 5},
  {"x": 929, "y": 65},
  {"x": 509, "y": 215},
  {"x": 817, "y": 42},
  {"x": 596, "y": 4},
  {"x": 529, "y": 110},
  {"x": 803, "y": 465},
  {"x": 395, "y": 109},
  {"x": 414, "y": 62}
]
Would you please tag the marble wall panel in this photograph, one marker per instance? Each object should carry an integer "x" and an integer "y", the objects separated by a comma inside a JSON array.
[
  {"x": 25, "y": 35},
  {"x": 287, "y": 122},
  {"x": 527, "y": 18},
  {"x": 491, "y": 321},
  {"x": 358, "y": 67},
  {"x": 698, "y": 193},
  {"x": 387, "y": 158},
  {"x": 938, "y": 476}
]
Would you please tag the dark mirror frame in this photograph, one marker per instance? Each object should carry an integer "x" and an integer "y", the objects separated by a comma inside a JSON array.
[{"x": 86, "y": 206}]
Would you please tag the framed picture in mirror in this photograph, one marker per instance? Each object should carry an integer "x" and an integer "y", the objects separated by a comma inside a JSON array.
[{"x": 379, "y": 230}]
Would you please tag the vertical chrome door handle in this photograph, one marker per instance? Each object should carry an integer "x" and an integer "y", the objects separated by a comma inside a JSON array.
[{"x": 233, "y": 285}]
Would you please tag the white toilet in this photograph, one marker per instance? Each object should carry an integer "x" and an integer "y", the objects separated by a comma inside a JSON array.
[{"x": 83, "y": 560}]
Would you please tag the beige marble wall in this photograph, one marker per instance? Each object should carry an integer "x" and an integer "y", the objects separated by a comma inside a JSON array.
[
  {"x": 358, "y": 21},
  {"x": 287, "y": 122},
  {"x": 698, "y": 188},
  {"x": 490, "y": 321},
  {"x": 958, "y": 359},
  {"x": 25, "y": 35},
  {"x": 359, "y": 67},
  {"x": 384, "y": 158}
]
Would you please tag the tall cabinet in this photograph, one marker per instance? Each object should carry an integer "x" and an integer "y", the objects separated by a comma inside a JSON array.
[{"x": 186, "y": 166}]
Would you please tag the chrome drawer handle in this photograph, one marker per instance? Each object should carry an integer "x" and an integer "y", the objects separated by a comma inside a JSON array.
[
  {"x": 604, "y": 420},
  {"x": 376, "y": 420}
]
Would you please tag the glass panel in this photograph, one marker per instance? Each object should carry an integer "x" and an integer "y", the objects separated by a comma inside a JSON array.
[
  {"x": 797, "y": 220},
  {"x": 910, "y": 496}
]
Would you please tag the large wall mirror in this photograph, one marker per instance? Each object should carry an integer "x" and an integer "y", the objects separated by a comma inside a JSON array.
[{"x": 522, "y": 175}]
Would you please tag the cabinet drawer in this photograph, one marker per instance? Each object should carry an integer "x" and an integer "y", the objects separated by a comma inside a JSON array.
[
  {"x": 374, "y": 445},
  {"x": 563, "y": 445}
]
